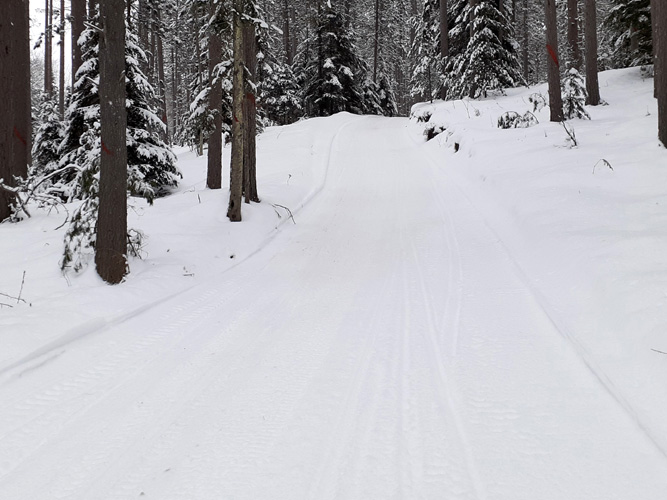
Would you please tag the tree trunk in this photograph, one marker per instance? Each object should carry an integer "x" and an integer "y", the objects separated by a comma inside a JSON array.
[
  {"x": 444, "y": 40},
  {"x": 111, "y": 239},
  {"x": 573, "y": 33},
  {"x": 92, "y": 7},
  {"x": 78, "y": 18},
  {"x": 162, "y": 88},
  {"x": 48, "y": 49},
  {"x": 553, "y": 75},
  {"x": 250, "y": 115},
  {"x": 591, "y": 41},
  {"x": 376, "y": 41},
  {"x": 15, "y": 115},
  {"x": 655, "y": 36},
  {"x": 236, "y": 168},
  {"x": 526, "y": 38},
  {"x": 61, "y": 90},
  {"x": 287, "y": 41},
  {"x": 214, "y": 172},
  {"x": 659, "y": 12}
]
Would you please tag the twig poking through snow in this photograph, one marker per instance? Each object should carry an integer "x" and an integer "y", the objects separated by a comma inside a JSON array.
[
  {"x": 18, "y": 299},
  {"x": 661, "y": 352},
  {"x": 604, "y": 162},
  {"x": 274, "y": 205}
]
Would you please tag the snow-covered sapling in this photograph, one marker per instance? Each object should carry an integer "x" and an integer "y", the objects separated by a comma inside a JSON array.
[
  {"x": 512, "y": 119},
  {"x": 574, "y": 95}
]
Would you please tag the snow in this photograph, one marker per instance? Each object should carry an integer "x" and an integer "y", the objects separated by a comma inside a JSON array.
[{"x": 471, "y": 322}]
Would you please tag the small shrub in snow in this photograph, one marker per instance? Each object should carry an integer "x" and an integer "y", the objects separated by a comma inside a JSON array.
[
  {"x": 433, "y": 129},
  {"x": 512, "y": 119},
  {"x": 538, "y": 101},
  {"x": 574, "y": 96}
]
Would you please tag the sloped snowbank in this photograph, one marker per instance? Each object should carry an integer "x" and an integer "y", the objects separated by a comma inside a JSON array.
[
  {"x": 188, "y": 240},
  {"x": 587, "y": 225}
]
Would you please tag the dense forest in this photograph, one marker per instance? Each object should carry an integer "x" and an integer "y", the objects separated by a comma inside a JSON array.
[{"x": 204, "y": 72}]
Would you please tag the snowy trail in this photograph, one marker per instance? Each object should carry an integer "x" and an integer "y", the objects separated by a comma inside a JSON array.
[{"x": 383, "y": 347}]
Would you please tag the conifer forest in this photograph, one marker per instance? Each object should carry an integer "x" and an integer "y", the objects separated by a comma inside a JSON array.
[{"x": 333, "y": 249}]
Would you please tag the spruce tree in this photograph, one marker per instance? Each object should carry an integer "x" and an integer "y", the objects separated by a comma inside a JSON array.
[
  {"x": 629, "y": 27},
  {"x": 489, "y": 61}
]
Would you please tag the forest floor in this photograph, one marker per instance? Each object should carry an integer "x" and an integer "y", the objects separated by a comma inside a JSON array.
[{"x": 481, "y": 316}]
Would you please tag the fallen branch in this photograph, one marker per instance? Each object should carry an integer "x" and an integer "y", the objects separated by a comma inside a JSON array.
[
  {"x": 274, "y": 205},
  {"x": 661, "y": 352}
]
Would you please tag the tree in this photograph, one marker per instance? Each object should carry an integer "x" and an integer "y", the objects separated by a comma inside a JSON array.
[
  {"x": 629, "y": 22},
  {"x": 15, "y": 110},
  {"x": 555, "y": 98},
  {"x": 660, "y": 20},
  {"x": 238, "y": 120},
  {"x": 61, "y": 86},
  {"x": 214, "y": 172},
  {"x": 573, "y": 34},
  {"x": 111, "y": 239},
  {"x": 48, "y": 48},
  {"x": 250, "y": 105},
  {"x": 591, "y": 45},
  {"x": 78, "y": 19},
  {"x": 489, "y": 61}
]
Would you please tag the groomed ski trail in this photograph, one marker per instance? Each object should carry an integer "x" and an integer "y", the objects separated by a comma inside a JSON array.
[{"x": 383, "y": 347}]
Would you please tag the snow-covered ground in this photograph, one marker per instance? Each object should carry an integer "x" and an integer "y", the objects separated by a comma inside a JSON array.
[{"x": 474, "y": 324}]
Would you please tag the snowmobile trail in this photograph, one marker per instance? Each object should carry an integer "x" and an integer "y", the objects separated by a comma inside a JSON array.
[{"x": 384, "y": 347}]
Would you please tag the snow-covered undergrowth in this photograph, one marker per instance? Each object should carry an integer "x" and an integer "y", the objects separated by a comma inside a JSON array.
[
  {"x": 587, "y": 225},
  {"x": 188, "y": 240}
]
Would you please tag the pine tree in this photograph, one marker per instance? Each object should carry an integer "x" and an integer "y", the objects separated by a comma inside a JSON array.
[
  {"x": 489, "y": 61},
  {"x": 151, "y": 169},
  {"x": 629, "y": 25},
  {"x": 334, "y": 77},
  {"x": 574, "y": 95}
]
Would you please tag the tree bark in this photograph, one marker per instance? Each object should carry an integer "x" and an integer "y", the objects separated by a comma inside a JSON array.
[
  {"x": 250, "y": 115},
  {"x": 659, "y": 13},
  {"x": 214, "y": 172},
  {"x": 526, "y": 38},
  {"x": 162, "y": 88},
  {"x": 444, "y": 40},
  {"x": 287, "y": 41},
  {"x": 553, "y": 75},
  {"x": 15, "y": 114},
  {"x": 48, "y": 49},
  {"x": 376, "y": 41},
  {"x": 78, "y": 18},
  {"x": 573, "y": 33},
  {"x": 591, "y": 42},
  {"x": 111, "y": 240},
  {"x": 61, "y": 89},
  {"x": 92, "y": 7},
  {"x": 236, "y": 167}
]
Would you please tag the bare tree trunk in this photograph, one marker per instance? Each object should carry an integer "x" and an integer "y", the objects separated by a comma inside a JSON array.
[
  {"x": 444, "y": 40},
  {"x": 78, "y": 18},
  {"x": 591, "y": 42},
  {"x": 250, "y": 115},
  {"x": 553, "y": 75},
  {"x": 48, "y": 49},
  {"x": 573, "y": 33},
  {"x": 287, "y": 41},
  {"x": 61, "y": 90},
  {"x": 236, "y": 168},
  {"x": 162, "y": 89},
  {"x": 659, "y": 13},
  {"x": 214, "y": 172},
  {"x": 655, "y": 37},
  {"x": 92, "y": 6},
  {"x": 15, "y": 119},
  {"x": 376, "y": 41},
  {"x": 111, "y": 240},
  {"x": 526, "y": 38}
]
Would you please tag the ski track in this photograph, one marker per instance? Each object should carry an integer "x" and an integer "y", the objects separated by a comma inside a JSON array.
[{"x": 359, "y": 363}]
